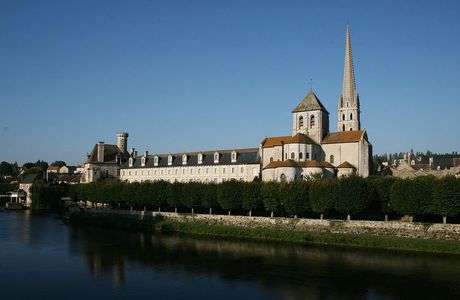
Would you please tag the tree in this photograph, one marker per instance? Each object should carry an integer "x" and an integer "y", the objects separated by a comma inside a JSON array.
[
  {"x": 323, "y": 194},
  {"x": 191, "y": 195},
  {"x": 229, "y": 195},
  {"x": 251, "y": 196},
  {"x": 58, "y": 163},
  {"x": 42, "y": 165},
  {"x": 446, "y": 197},
  {"x": 173, "y": 195},
  {"x": 6, "y": 169},
  {"x": 209, "y": 196},
  {"x": 270, "y": 193},
  {"x": 37, "y": 191},
  {"x": 382, "y": 186},
  {"x": 355, "y": 195},
  {"x": 294, "y": 196}
]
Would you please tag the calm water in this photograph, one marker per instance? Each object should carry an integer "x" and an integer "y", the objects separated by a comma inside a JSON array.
[{"x": 43, "y": 258}]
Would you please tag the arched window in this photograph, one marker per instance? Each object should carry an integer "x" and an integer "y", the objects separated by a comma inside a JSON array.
[
  {"x": 283, "y": 178},
  {"x": 343, "y": 127},
  {"x": 312, "y": 121},
  {"x": 301, "y": 122},
  {"x": 331, "y": 159},
  {"x": 351, "y": 116},
  {"x": 307, "y": 156},
  {"x": 271, "y": 159},
  {"x": 351, "y": 129},
  {"x": 300, "y": 155},
  {"x": 292, "y": 155},
  {"x": 343, "y": 117}
]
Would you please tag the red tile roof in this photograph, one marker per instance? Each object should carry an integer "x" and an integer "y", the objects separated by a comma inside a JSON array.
[
  {"x": 345, "y": 165},
  {"x": 279, "y": 140},
  {"x": 344, "y": 137}
]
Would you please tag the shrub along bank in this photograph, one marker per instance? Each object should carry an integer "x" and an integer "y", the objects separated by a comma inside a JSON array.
[{"x": 348, "y": 196}]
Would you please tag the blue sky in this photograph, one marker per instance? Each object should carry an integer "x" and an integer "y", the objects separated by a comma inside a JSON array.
[{"x": 204, "y": 75}]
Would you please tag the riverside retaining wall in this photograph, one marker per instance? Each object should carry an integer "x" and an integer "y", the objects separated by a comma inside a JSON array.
[{"x": 389, "y": 228}]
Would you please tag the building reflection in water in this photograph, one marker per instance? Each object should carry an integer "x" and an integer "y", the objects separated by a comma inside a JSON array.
[{"x": 278, "y": 270}]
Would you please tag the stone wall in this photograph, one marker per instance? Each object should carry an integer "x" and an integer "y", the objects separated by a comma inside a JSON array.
[{"x": 391, "y": 228}]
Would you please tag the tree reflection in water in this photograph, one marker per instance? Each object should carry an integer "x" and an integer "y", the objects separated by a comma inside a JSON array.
[{"x": 289, "y": 271}]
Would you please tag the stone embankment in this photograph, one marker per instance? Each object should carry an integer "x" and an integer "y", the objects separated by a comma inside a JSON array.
[{"x": 379, "y": 228}]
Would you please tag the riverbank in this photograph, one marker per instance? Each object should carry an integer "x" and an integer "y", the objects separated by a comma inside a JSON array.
[{"x": 161, "y": 223}]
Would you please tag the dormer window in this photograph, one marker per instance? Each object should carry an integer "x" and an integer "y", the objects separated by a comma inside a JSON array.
[
  {"x": 143, "y": 160},
  {"x": 301, "y": 122},
  {"x": 130, "y": 162},
  {"x": 170, "y": 159},
  {"x": 216, "y": 157},
  {"x": 155, "y": 161},
  {"x": 184, "y": 159},
  {"x": 234, "y": 156},
  {"x": 200, "y": 158}
]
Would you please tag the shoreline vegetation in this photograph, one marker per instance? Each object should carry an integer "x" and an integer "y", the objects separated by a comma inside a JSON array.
[{"x": 159, "y": 224}]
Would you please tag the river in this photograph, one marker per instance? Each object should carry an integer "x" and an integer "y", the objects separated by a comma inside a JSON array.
[{"x": 44, "y": 258}]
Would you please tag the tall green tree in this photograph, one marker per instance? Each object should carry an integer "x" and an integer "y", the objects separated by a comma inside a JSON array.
[
  {"x": 446, "y": 197},
  {"x": 270, "y": 193},
  {"x": 355, "y": 195},
  {"x": 209, "y": 196},
  {"x": 174, "y": 194},
  {"x": 229, "y": 195},
  {"x": 191, "y": 195},
  {"x": 382, "y": 186},
  {"x": 251, "y": 196},
  {"x": 323, "y": 196},
  {"x": 294, "y": 196}
]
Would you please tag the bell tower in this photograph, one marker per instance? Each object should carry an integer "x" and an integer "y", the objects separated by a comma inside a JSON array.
[{"x": 348, "y": 108}]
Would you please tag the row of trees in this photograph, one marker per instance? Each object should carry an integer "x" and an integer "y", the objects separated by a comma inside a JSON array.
[{"x": 351, "y": 196}]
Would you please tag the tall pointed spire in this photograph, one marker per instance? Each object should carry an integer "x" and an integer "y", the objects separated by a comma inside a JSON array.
[
  {"x": 348, "y": 112},
  {"x": 349, "y": 85}
]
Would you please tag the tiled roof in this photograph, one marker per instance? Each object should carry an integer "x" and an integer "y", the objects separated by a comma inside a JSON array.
[
  {"x": 346, "y": 165},
  {"x": 53, "y": 168},
  {"x": 344, "y": 137},
  {"x": 298, "y": 164},
  {"x": 244, "y": 156},
  {"x": 309, "y": 102},
  {"x": 285, "y": 163},
  {"x": 279, "y": 140}
]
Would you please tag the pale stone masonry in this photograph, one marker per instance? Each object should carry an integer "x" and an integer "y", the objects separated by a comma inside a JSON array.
[{"x": 310, "y": 150}]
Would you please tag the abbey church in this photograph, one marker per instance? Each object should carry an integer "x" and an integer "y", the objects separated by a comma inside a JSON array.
[{"x": 310, "y": 150}]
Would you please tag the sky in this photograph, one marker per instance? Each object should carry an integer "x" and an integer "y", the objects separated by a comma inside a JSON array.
[{"x": 206, "y": 75}]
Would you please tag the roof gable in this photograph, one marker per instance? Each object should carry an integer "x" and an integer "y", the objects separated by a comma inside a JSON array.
[{"x": 310, "y": 102}]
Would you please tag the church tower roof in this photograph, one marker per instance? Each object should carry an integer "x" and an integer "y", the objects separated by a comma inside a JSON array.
[
  {"x": 310, "y": 102},
  {"x": 349, "y": 85}
]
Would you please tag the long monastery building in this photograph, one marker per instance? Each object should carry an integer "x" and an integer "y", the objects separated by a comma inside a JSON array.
[{"x": 310, "y": 149}]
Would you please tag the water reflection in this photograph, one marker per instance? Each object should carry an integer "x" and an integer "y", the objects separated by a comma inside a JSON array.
[
  {"x": 280, "y": 270},
  {"x": 76, "y": 263}
]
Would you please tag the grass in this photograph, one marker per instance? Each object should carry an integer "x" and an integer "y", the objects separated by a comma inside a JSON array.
[{"x": 158, "y": 224}]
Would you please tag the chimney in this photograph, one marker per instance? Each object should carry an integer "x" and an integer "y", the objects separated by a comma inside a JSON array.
[
  {"x": 100, "y": 152},
  {"x": 133, "y": 150},
  {"x": 146, "y": 153}
]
